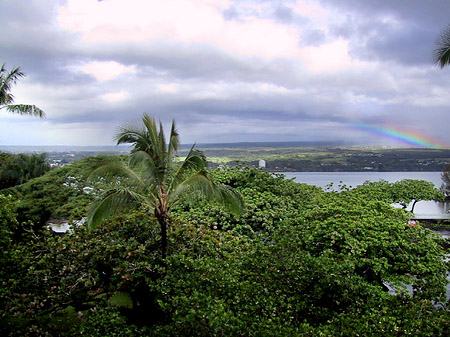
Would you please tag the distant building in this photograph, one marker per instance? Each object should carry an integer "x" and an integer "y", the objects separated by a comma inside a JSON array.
[{"x": 262, "y": 164}]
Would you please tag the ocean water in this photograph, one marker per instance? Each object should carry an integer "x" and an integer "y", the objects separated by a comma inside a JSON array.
[
  {"x": 423, "y": 209},
  {"x": 353, "y": 179}
]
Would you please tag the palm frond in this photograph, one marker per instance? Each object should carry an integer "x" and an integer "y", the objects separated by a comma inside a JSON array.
[
  {"x": 6, "y": 82},
  {"x": 99, "y": 166},
  {"x": 200, "y": 185},
  {"x": 230, "y": 199},
  {"x": 197, "y": 185},
  {"x": 151, "y": 134},
  {"x": 441, "y": 54},
  {"x": 174, "y": 141},
  {"x": 144, "y": 162},
  {"x": 161, "y": 139},
  {"x": 25, "y": 109},
  {"x": 112, "y": 169},
  {"x": 131, "y": 134},
  {"x": 7, "y": 99},
  {"x": 111, "y": 203},
  {"x": 195, "y": 161}
]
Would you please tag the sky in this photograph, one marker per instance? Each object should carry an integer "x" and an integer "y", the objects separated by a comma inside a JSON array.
[{"x": 358, "y": 72}]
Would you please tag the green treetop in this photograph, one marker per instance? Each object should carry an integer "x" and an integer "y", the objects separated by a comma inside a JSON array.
[{"x": 151, "y": 179}]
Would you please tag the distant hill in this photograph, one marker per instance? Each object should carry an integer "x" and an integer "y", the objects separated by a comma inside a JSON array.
[
  {"x": 122, "y": 148},
  {"x": 279, "y": 156},
  {"x": 246, "y": 145}
]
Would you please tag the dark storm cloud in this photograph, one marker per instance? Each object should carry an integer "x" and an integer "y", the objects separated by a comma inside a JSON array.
[
  {"x": 29, "y": 39},
  {"x": 429, "y": 12},
  {"x": 399, "y": 31}
]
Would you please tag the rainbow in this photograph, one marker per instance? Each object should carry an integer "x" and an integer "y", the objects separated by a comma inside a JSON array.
[{"x": 409, "y": 137}]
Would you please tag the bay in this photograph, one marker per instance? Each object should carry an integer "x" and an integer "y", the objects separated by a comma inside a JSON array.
[
  {"x": 423, "y": 209},
  {"x": 353, "y": 179}
]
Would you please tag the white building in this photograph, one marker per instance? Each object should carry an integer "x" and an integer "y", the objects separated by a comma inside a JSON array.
[{"x": 262, "y": 164}]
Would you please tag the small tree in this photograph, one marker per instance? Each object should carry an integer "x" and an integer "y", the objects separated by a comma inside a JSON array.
[
  {"x": 7, "y": 80},
  {"x": 152, "y": 180},
  {"x": 409, "y": 190}
]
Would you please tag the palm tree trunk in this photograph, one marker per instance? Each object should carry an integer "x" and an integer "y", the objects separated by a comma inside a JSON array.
[
  {"x": 414, "y": 204},
  {"x": 163, "y": 222},
  {"x": 162, "y": 215}
]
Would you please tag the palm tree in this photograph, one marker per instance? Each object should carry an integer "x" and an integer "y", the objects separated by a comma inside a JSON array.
[
  {"x": 151, "y": 179},
  {"x": 7, "y": 80},
  {"x": 442, "y": 52},
  {"x": 32, "y": 166}
]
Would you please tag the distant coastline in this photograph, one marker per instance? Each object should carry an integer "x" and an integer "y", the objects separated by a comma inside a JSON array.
[
  {"x": 121, "y": 148},
  {"x": 277, "y": 156}
]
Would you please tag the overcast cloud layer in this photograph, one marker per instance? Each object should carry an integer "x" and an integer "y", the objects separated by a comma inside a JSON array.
[{"x": 225, "y": 70}]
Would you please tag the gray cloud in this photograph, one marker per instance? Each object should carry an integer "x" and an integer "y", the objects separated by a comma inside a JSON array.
[
  {"x": 398, "y": 31},
  {"x": 284, "y": 14},
  {"x": 221, "y": 96}
]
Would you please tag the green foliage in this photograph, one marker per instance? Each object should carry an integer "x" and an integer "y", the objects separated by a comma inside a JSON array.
[
  {"x": 330, "y": 259},
  {"x": 8, "y": 226},
  {"x": 59, "y": 194},
  {"x": 298, "y": 262},
  {"x": 218, "y": 284},
  {"x": 402, "y": 192},
  {"x": 17, "y": 169},
  {"x": 270, "y": 201},
  {"x": 382, "y": 248},
  {"x": 8, "y": 221},
  {"x": 82, "y": 270},
  {"x": 408, "y": 190}
]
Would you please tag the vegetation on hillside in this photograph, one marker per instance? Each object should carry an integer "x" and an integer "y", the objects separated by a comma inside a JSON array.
[{"x": 298, "y": 261}]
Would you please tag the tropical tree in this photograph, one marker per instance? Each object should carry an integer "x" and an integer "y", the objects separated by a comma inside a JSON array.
[
  {"x": 442, "y": 52},
  {"x": 408, "y": 190},
  {"x": 151, "y": 179},
  {"x": 7, "y": 80},
  {"x": 18, "y": 169}
]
